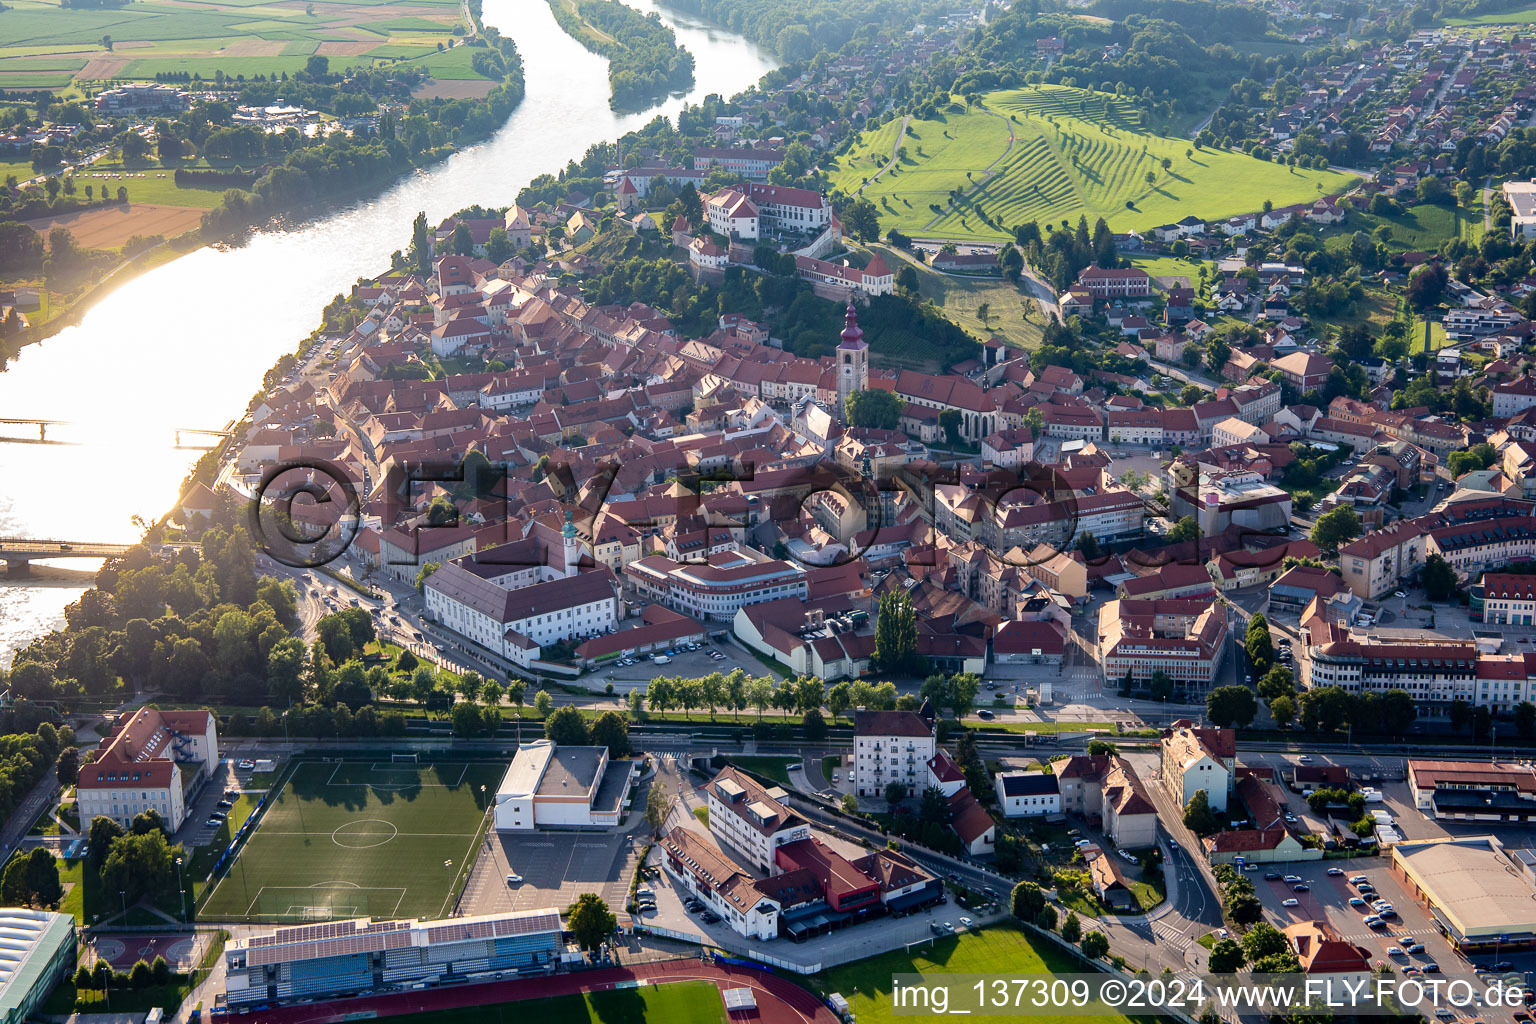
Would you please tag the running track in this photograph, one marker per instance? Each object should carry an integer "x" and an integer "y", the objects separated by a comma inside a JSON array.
[{"x": 779, "y": 1000}]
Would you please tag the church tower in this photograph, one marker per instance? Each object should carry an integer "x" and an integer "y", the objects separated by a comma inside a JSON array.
[
  {"x": 572, "y": 544},
  {"x": 852, "y": 362}
]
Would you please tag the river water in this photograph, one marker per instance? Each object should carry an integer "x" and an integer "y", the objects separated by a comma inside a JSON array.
[{"x": 186, "y": 345}]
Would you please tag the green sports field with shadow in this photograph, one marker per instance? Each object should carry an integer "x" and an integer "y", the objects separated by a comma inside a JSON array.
[{"x": 360, "y": 839}]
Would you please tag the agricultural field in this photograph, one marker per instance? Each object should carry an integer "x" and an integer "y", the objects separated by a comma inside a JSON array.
[
  {"x": 360, "y": 839},
  {"x": 46, "y": 46},
  {"x": 109, "y": 227},
  {"x": 1049, "y": 154}
]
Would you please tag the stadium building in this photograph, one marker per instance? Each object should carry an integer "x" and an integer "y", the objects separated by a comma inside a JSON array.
[
  {"x": 36, "y": 949},
  {"x": 343, "y": 958}
]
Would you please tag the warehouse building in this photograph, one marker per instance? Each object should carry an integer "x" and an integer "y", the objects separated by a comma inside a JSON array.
[
  {"x": 36, "y": 949},
  {"x": 342, "y": 958},
  {"x": 1476, "y": 893},
  {"x": 1476, "y": 791}
]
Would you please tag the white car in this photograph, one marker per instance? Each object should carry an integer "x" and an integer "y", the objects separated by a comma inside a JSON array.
[
  {"x": 514, "y": 879},
  {"x": 1291, "y": 903},
  {"x": 1399, "y": 593},
  {"x": 1395, "y": 951},
  {"x": 967, "y": 922}
]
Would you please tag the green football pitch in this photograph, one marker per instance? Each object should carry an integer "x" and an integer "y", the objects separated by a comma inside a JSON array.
[{"x": 360, "y": 839}]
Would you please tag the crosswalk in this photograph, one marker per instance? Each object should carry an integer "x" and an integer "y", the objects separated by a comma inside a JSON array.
[
  {"x": 1172, "y": 935},
  {"x": 672, "y": 755}
]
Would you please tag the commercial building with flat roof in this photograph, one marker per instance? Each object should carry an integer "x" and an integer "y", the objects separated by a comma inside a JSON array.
[
  {"x": 1474, "y": 890},
  {"x": 1473, "y": 790},
  {"x": 36, "y": 949},
  {"x": 340, "y": 958},
  {"x": 548, "y": 786},
  {"x": 1522, "y": 204}
]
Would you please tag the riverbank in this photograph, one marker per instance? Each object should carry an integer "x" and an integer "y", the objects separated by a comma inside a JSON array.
[
  {"x": 188, "y": 342},
  {"x": 645, "y": 63}
]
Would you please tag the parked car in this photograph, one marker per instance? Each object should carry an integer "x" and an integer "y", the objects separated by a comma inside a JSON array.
[
  {"x": 966, "y": 922},
  {"x": 1356, "y": 902},
  {"x": 1335, "y": 872},
  {"x": 1272, "y": 876},
  {"x": 1290, "y": 903},
  {"x": 246, "y": 766},
  {"x": 514, "y": 879},
  {"x": 1292, "y": 879},
  {"x": 1433, "y": 968},
  {"x": 1301, "y": 888},
  {"x": 1395, "y": 951},
  {"x": 985, "y": 714},
  {"x": 1358, "y": 880},
  {"x": 213, "y": 823}
]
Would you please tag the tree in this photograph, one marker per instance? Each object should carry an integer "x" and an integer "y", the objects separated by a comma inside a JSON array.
[
  {"x": 466, "y": 720},
  {"x": 658, "y": 806},
  {"x": 1262, "y": 940},
  {"x": 1186, "y": 529},
  {"x": 141, "y": 975},
  {"x": 421, "y": 245},
  {"x": 317, "y": 66},
  {"x": 542, "y": 702},
  {"x": 850, "y": 803},
  {"x": 1230, "y": 706},
  {"x": 1197, "y": 814},
  {"x": 425, "y": 573},
  {"x": 498, "y": 246},
  {"x": 103, "y": 832},
  {"x": 1257, "y": 642},
  {"x": 69, "y": 766},
  {"x": 610, "y": 730},
  {"x": 896, "y": 636},
  {"x": 950, "y": 422},
  {"x": 1525, "y": 719},
  {"x": 1028, "y": 900},
  {"x": 141, "y": 866},
  {"x": 1333, "y": 528},
  {"x": 1095, "y": 944},
  {"x": 1071, "y": 927},
  {"x": 1283, "y": 710},
  {"x": 589, "y": 921},
  {"x": 862, "y": 218},
  {"x": 566, "y": 727},
  {"x": 1426, "y": 286},
  {"x": 1438, "y": 577},
  {"x": 1460, "y": 714},
  {"x": 461, "y": 241},
  {"x": 875, "y": 407},
  {"x": 1226, "y": 957},
  {"x": 1100, "y": 747},
  {"x": 895, "y": 792},
  {"x": 1217, "y": 352}
]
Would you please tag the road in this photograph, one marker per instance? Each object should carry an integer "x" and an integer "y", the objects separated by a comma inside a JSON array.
[{"x": 901, "y": 135}]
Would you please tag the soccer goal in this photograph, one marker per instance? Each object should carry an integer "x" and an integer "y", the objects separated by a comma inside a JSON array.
[{"x": 403, "y": 759}]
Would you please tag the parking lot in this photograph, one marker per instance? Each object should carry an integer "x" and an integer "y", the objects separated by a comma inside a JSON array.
[
  {"x": 680, "y": 662},
  {"x": 556, "y": 867}
]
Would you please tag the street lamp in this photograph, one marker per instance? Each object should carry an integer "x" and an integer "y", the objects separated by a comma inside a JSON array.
[{"x": 181, "y": 892}]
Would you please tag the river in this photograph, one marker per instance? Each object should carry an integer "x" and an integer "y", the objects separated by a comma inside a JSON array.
[{"x": 186, "y": 344}]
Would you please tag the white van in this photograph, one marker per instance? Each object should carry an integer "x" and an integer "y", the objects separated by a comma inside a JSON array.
[{"x": 662, "y": 659}]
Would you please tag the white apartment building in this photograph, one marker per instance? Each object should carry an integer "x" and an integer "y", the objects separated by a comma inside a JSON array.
[
  {"x": 746, "y": 818},
  {"x": 144, "y": 764},
  {"x": 1199, "y": 759},
  {"x": 891, "y": 746}
]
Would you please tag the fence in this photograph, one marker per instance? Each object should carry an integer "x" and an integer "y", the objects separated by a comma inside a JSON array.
[
  {"x": 667, "y": 933},
  {"x": 774, "y": 962}
]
